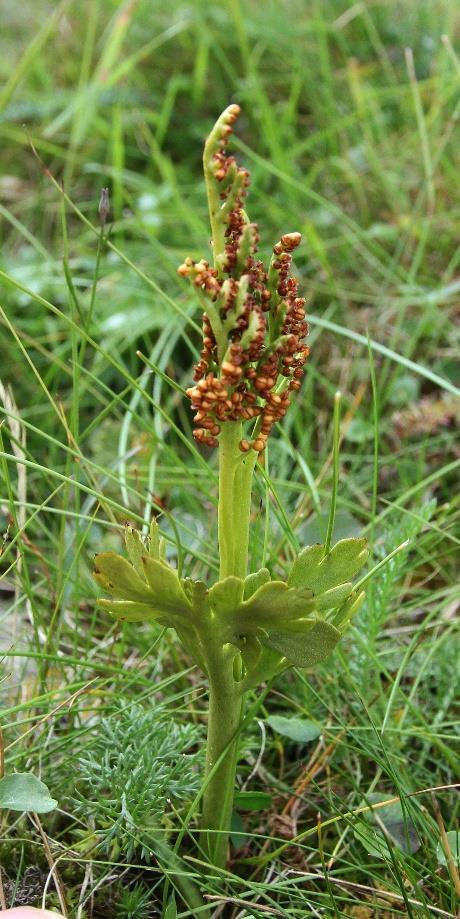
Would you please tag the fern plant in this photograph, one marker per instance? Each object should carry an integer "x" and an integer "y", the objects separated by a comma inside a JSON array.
[{"x": 246, "y": 627}]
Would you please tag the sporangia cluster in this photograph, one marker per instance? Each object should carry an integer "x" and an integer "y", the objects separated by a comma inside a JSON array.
[{"x": 254, "y": 326}]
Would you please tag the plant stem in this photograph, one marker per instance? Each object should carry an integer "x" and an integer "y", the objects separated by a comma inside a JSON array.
[
  {"x": 225, "y": 705},
  {"x": 235, "y": 483},
  {"x": 223, "y": 663},
  {"x": 225, "y": 697}
]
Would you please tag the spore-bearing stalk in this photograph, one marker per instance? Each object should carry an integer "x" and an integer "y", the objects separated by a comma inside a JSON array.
[{"x": 254, "y": 325}]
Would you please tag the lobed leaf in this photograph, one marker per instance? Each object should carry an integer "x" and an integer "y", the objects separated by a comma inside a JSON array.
[
  {"x": 312, "y": 568},
  {"x": 166, "y": 589},
  {"x": 332, "y": 598},
  {"x": 135, "y": 548},
  {"x": 155, "y": 540},
  {"x": 226, "y": 596},
  {"x": 270, "y": 604},
  {"x": 305, "y": 649},
  {"x": 275, "y": 601},
  {"x": 349, "y": 609},
  {"x": 254, "y": 581},
  {"x": 115, "y": 574},
  {"x": 132, "y": 610},
  {"x": 156, "y": 594},
  {"x": 196, "y": 593}
]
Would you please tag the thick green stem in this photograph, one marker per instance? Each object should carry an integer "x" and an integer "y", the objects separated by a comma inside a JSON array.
[
  {"x": 225, "y": 698},
  {"x": 235, "y": 483},
  {"x": 225, "y": 704}
]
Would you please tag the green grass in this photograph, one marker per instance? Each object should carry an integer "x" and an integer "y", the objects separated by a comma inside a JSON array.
[{"x": 352, "y": 140}]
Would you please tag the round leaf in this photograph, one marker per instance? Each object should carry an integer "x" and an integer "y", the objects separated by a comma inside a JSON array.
[
  {"x": 22, "y": 791},
  {"x": 298, "y": 729},
  {"x": 388, "y": 820}
]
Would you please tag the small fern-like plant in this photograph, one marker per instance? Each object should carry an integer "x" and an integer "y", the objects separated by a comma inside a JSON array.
[
  {"x": 139, "y": 763},
  {"x": 246, "y": 627}
]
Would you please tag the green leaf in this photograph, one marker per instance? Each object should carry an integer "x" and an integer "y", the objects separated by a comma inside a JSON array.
[
  {"x": 373, "y": 842},
  {"x": 382, "y": 821},
  {"x": 321, "y": 572},
  {"x": 275, "y": 602},
  {"x": 346, "y": 612},
  {"x": 299, "y": 729},
  {"x": 226, "y": 595},
  {"x": 453, "y": 838},
  {"x": 135, "y": 548},
  {"x": 238, "y": 835},
  {"x": 131, "y": 610},
  {"x": 333, "y": 597},
  {"x": 22, "y": 791},
  {"x": 344, "y": 560},
  {"x": 254, "y": 581},
  {"x": 251, "y": 650},
  {"x": 253, "y": 800},
  {"x": 157, "y": 594},
  {"x": 115, "y": 574},
  {"x": 305, "y": 567},
  {"x": 196, "y": 593},
  {"x": 155, "y": 540},
  {"x": 305, "y": 649},
  {"x": 269, "y": 664},
  {"x": 166, "y": 589},
  {"x": 170, "y": 909}
]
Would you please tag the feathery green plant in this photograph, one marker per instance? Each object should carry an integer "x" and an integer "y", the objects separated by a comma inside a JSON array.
[
  {"x": 247, "y": 627},
  {"x": 137, "y": 762}
]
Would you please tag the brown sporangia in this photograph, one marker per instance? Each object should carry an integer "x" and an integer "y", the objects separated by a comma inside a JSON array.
[{"x": 254, "y": 328}]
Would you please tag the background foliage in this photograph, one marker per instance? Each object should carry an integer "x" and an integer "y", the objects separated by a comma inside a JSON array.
[{"x": 350, "y": 129}]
